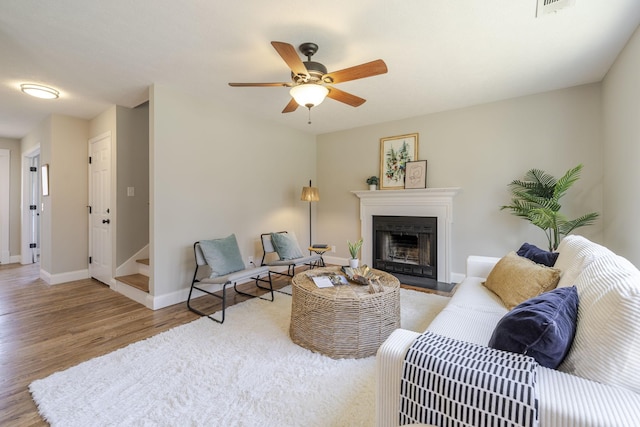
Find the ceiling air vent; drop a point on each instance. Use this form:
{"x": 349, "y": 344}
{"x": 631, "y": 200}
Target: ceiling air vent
{"x": 546, "y": 7}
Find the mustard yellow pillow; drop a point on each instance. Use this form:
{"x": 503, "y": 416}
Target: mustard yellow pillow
{"x": 515, "y": 279}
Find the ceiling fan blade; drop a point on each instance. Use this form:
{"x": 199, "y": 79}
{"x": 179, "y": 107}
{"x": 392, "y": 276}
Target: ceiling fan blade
{"x": 347, "y": 98}
{"x": 291, "y": 106}
{"x": 361, "y": 71}
{"x": 290, "y": 56}
{"x": 260, "y": 84}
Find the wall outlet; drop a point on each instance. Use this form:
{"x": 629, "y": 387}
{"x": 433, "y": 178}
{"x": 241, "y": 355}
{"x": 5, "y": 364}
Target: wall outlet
{"x": 333, "y": 249}
{"x": 250, "y": 260}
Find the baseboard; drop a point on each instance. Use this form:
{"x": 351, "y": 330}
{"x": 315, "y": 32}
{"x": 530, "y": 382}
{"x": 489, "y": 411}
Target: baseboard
{"x": 335, "y": 260}
{"x": 5, "y": 257}
{"x": 134, "y": 294}
{"x": 180, "y": 297}
{"x": 457, "y": 277}
{"x": 70, "y": 276}
{"x": 165, "y": 300}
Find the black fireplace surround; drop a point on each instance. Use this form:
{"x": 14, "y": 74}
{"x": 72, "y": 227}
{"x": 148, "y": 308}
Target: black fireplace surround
{"x": 406, "y": 246}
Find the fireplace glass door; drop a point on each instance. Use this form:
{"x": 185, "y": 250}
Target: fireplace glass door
{"x": 405, "y": 245}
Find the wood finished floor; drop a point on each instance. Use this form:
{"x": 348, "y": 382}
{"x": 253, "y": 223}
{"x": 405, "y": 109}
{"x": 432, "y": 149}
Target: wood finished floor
{"x": 45, "y": 329}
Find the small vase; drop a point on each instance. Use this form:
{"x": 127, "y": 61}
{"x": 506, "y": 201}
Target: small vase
{"x": 353, "y": 262}
{"x": 372, "y": 187}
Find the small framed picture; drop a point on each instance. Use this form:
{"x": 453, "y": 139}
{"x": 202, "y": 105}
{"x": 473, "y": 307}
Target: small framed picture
{"x": 416, "y": 174}
{"x": 395, "y": 152}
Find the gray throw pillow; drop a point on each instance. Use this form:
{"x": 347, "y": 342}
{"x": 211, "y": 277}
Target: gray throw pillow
{"x": 286, "y": 245}
{"x": 222, "y": 255}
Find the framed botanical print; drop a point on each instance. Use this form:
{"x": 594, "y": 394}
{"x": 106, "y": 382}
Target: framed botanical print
{"x": 395, "y": 152}
{"x": 416, "y": 174}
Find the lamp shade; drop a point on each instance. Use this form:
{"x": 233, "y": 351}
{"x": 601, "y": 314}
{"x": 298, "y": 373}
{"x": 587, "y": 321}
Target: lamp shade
{"x": 310, "y": 194}
{"x": 309, "y": 94}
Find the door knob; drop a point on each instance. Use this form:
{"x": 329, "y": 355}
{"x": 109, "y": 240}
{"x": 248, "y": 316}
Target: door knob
{"x": 106, "y": 221}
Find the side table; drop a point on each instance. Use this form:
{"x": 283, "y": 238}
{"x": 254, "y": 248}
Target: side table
{"x": 343, "y": 321}
{"x": 319, "y": 251}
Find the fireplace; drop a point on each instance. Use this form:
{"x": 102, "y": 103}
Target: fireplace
{"x": 406, "y": 245}
{"x": 429, "y": 202}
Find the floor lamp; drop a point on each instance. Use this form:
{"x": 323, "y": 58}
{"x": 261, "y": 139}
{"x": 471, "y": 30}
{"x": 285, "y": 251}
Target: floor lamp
{"x": 310, "y": 194}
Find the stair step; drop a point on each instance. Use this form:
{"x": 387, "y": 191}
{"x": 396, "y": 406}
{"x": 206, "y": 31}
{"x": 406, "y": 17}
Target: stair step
{"x": 138, "y": 281}
{"x": 143, "y": 266}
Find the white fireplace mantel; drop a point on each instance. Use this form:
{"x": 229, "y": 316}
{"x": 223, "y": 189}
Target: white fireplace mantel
{"x": 428, "y": 202}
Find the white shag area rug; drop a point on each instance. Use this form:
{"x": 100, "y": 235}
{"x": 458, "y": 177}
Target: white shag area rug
{"x": 246, "y": 372}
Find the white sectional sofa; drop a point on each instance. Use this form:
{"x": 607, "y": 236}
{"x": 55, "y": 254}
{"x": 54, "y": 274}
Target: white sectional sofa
{"x": 597, "y": 384}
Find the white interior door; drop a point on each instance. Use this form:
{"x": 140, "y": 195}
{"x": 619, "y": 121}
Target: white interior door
{"x": 31, "y": 195}
{"x": 100, "y": 214}
{"x": 34, "y": 208}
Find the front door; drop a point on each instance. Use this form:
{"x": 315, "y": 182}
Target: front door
{"x": 100, "y": 213}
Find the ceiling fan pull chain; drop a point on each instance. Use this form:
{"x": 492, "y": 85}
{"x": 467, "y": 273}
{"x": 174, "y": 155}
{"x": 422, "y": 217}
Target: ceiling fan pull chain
{"x": 309, "y": 122}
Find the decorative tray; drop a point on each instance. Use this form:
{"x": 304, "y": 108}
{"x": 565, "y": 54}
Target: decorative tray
{"x": 362, "y": 275}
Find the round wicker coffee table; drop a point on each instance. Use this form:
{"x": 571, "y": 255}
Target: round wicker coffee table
{"x": 343, "y": 321}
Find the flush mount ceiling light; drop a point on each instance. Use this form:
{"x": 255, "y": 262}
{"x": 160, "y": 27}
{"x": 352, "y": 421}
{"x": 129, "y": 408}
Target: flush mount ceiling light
{"x": 39, "y": 91}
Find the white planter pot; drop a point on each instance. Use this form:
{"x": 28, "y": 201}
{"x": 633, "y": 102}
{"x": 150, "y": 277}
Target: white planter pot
{"x": 353, "y": 263}
{"x": 372, "y": 187}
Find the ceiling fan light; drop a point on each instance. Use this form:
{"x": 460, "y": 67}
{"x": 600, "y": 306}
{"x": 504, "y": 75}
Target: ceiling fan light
{"x": 309, "y": 94}
{"x": 39, "y": 91}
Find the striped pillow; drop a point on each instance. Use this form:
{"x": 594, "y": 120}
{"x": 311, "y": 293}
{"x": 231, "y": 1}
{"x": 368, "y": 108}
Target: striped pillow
{"x": 606, "y": 346}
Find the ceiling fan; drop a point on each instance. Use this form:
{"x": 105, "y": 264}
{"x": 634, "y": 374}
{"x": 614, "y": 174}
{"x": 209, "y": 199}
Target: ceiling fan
{"x": 311, "y": 83}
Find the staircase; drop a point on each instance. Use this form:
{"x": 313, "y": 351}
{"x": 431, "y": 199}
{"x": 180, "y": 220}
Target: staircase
{"x": 139, "y": 280}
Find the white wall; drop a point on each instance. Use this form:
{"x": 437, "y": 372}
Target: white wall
{"x": 215, "y": 172}
{"x": 64, "y": 223}
{"x": 69, "y": 197}
{"x": 42, "y": 135}
{"x": 621, "y": 107}
{"x": 480, "y": 149}
{"x": 132, "y": 171}
{"x": 15, "y": 167}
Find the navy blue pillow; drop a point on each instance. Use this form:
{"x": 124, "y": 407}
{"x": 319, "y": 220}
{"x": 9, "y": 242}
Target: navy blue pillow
{"x": 537, "y": 255}
{"x": 542, "y": 327}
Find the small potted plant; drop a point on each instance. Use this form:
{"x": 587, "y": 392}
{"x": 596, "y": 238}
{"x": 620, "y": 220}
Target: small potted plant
{"x": 354, "y": 248}
{"x": 373, "y": 182}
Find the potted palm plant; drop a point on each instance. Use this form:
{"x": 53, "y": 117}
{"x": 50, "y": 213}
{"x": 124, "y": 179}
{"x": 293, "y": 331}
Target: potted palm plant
{"x": 354, "y": 248}
{"x": 537, "y": 199}
{"x": 373, "y": 182}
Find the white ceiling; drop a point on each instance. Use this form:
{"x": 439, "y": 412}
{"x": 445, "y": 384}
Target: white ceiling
{"x": 441, "y": 55}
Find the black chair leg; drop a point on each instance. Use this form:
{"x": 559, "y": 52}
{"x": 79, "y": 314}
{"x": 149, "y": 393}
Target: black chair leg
{"x": 257, "y": 280}
{"x": 201, "y": 313}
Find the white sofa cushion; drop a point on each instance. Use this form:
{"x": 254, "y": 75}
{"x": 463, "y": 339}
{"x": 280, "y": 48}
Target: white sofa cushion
{"x": 568, "y": 400}
{"x": 471, "y": 315}
{"x": 606, "y": 346}
{"x": 576, "y": 253}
